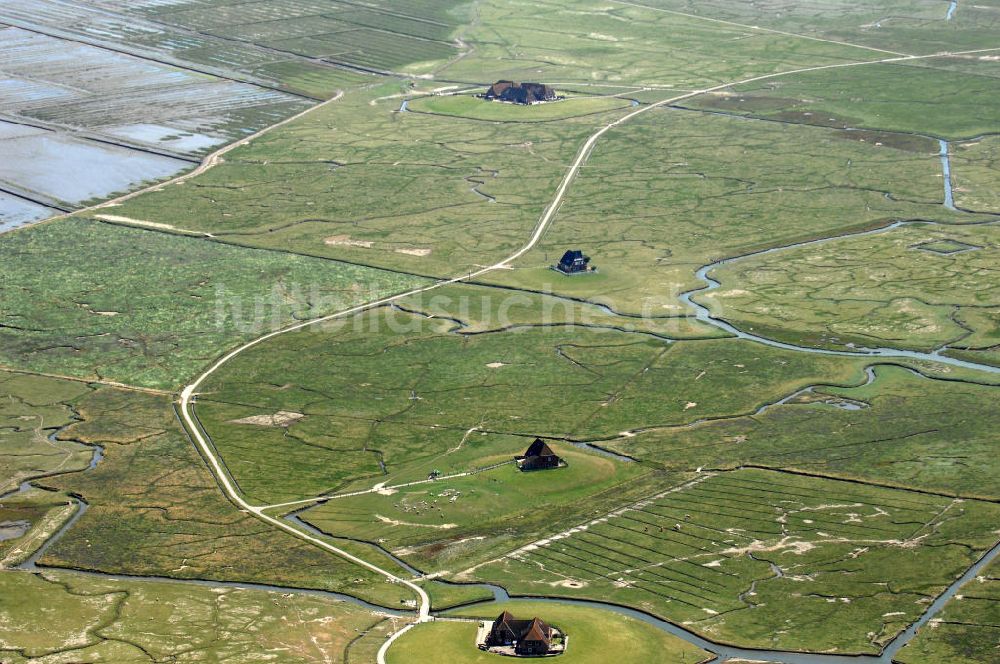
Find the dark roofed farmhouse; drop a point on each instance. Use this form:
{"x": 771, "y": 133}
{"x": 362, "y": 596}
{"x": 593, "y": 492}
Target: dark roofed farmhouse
{"x": 520, "y": 93}
{"x": 538, "y": 456}
{"x": 573, "y": 261}
{"x": 529, "y": 637}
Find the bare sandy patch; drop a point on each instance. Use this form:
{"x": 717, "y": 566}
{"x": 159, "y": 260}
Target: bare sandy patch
{"x": 414, "y": 252}
{"x": 136, "y": 222}
{"x": 346, "y": 241}
{"x": 99, "y": 313}
{"x": 393, "y": 522}
{"x": 282, "y": 418}
{"x": 497, "y": 365}
{"x": 786, "y": 544}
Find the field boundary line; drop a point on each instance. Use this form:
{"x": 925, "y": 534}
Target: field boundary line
{"x": 853, "y": 480}
{"x": 755, "y": 27}
{"x": 90, "y": 381}
{"x": 160, "y": 59}
{"x": 208, "y": 162}
{"x": 580, "y": 527}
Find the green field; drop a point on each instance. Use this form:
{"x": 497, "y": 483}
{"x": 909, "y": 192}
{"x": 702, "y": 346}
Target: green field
{"x": 145, "y": 308}
{"x": 67, "y": 617}
{"x": 451, "y": 194}
{"x": 901, "y": 430}
{"x": 391, "y": 402}
{"x": 477, "y": 309}
{"x": 968, "y": 629}
{"x": 974, "y": 171}
{"x": 595, "y": 42}
{"x": 691, "y": 188}
{"x": 928, "y": 98}
{"x": 911, "y": 26}
{"x": 921, "y": 287}
{"x": 759, "y": 557}
{"x": 474, "y": 108}
{"x": 377, "y": 35}
{"x": 156, "y": 510}
{"x": 751, "y": 493}
{"x": 593, "y": 634}
{"x": 33, "y": 408}
{"x": 455, "y": 522}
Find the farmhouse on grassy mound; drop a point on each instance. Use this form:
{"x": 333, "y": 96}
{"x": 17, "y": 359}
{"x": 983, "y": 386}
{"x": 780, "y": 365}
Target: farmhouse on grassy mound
{"x": 520, "y": 93}
{"x": 527, "y": 637}
{"x": 538, "y": 456}
{"x": 574, "y": 262}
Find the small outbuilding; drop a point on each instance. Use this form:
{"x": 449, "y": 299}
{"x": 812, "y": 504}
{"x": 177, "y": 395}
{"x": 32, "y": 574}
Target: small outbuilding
{"x": 574, "y": 262}
{"x": 538, "y": 456}
{"x": 515, "y": 92}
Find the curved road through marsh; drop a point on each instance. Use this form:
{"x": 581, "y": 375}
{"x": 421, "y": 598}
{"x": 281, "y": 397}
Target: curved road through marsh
{"x": 189, "y": 393}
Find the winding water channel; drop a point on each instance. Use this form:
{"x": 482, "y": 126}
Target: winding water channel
{"x": 704, "y": 314}
{"x": 949, "y": 197}
{"x": 31, "y": 563}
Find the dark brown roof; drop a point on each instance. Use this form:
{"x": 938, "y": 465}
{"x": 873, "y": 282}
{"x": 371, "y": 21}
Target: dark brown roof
{"x": 521, "y": 630}
{"x": 538, "y": 448}
{"x": 506, "y": 625}
{"x": 500, "y": 87}
{"x": 537, "y": 631}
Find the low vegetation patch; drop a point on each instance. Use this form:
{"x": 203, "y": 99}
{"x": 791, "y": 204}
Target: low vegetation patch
{"x": 451, "y": 523}
{"x": 691, "y": 188}
{"x": 472, "y": 107}
{"x": 361, "y": 181}
{"x": 390, "y": 392}
{"x": 922, "y": 287}
{"x": 156, "y": 510}
{"x": 75, "y": 302}
{"x": 967, "y": 631}
{"x": 757, "y": 557}
{"x": 931, "y": 98}
{"x": 33, "y": 410}
{"x": 63, "y": 616}
{"x": 901, "y": 429}
{"x": 974, "y": 172}
{"x": 595, "y": 635}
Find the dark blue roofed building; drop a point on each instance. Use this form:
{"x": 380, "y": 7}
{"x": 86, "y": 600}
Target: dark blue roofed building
{"x": 573, "y": 261}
